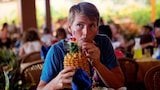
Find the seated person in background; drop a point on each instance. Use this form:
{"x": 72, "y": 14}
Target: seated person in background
{"x": 117, "y": 37}
{"x": 146, "y": 39}
{"x": 157, "y": 31}
{"x": 47, "y": 40}
{"x": 106, "y": 30}
{"x": 83, "y": 23}
{"x": 5, "y": 41}
{"x": 157, "y": 36}
{"x": 47, "y": 37}
{"x": 31, "y": 42}
{"x": 60, "y": 34}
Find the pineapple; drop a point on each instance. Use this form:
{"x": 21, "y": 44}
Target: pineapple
{"x": 76, "y": 58}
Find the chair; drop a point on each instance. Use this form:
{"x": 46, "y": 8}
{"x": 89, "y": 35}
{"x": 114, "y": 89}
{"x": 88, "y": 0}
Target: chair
{"x": 31, "y": 75}
{"x": 152, "y": 78}
{"x": 130, "y": 69}
{"x": 34, "y": 56}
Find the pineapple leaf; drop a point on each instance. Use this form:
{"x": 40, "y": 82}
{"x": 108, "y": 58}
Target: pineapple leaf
{"x": 73, "y": 47}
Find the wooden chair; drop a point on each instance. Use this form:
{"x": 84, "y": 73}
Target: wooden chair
{"x": 31, "y": 57}
{"x": 130, "y": 69}
{"x": 152, "y": 78}
{"x": 31, "y": 75}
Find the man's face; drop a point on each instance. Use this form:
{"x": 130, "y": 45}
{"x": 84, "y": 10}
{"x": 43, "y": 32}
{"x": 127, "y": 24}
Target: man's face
{"x": 157, "y": 32}
{"x": 83, "y": 29}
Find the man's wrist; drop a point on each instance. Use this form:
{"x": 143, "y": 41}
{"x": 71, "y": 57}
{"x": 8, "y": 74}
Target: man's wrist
{"x": 52, "y": 85}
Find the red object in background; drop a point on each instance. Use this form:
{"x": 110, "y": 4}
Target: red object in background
{"x": 119, "y": 53}
{"x": 72, "y": 39}
{"x": 54, "y": 41}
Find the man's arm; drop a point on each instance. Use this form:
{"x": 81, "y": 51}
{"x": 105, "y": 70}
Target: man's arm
{"x": 47, "y": 86}
{"x": 61, "y": 81}
{"x": 114, "y": 77}
{"x": 107, "y": 68}
{"x": 41, "y": 85}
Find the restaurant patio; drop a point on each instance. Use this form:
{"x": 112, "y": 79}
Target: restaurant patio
{"x": 20, "y": 70}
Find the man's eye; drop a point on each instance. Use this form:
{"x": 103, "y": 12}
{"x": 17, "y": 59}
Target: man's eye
{"x": 93, "y": 27}
{"x": 80, "y": 25}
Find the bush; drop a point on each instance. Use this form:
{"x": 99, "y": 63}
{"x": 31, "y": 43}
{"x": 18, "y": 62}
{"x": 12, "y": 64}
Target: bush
{"x": 142, "y": 16}
{"x": 9, "y": 63}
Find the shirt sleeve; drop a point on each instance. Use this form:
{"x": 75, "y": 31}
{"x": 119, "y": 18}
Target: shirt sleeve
{"x": 52, "y": 64}
{"x": 108, "y": 57}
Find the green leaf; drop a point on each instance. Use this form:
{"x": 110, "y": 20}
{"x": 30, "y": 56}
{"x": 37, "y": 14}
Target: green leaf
{"x": 73, "y": 47}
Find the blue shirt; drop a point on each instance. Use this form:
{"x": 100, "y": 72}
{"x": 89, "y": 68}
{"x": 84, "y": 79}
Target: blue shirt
{"x": 53, "y": 63}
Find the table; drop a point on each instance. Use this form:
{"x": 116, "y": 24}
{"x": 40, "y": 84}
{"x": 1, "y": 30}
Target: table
{"x": 144, "y": 65}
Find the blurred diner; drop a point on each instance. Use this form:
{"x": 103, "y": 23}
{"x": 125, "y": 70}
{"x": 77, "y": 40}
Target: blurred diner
{"x": 47, "y": 37}
{"x": 5, "y": 41}
{"x": 106, "y": 30}
{"x": 31, "y": 42}
{"x": 147, "y": 40}
{"x": 117, "y": 37}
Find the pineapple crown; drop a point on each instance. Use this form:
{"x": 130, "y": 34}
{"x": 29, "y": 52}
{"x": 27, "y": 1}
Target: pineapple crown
{"x": 73, "y": 45}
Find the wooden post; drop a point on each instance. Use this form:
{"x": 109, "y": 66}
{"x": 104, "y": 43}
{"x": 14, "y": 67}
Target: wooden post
{"x": 28, "y": 14}
{"x": 48, "y": 14}
{"x": 153, "y": 10}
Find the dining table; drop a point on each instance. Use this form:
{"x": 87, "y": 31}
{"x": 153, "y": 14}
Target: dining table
{"x": 144, "y": 65}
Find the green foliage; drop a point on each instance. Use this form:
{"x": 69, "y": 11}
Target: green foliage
{"x": 58, "y": 14}
{"x": 158, "y": 10}
{"x": 2, "y": 79}
{"x": 73, "y": 47}
{"x": 40, "y": 17}
{"x": 9, "y": 63}
{"x": 7, "y": 57}
{"x": 141, "y": 16}
{"x": 10, "y": 17}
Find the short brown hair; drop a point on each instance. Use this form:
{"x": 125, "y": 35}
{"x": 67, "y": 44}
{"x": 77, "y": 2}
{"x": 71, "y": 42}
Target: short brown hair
{"x": 31, "y": 35}
{"x": 86, "y": 9}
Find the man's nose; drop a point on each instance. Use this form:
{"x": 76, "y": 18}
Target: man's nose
{"x": 85, "y": 32}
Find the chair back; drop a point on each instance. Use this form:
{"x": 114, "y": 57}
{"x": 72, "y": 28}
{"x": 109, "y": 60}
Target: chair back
{"x": 31, "y": 74}
{"x": 130, "y": 69}
{"x": 152, "y": 78}
{"x": 34, "y": 56}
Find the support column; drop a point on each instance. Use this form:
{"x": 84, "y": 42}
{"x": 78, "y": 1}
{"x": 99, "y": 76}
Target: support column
{"x": 48, "y": 15}
{"x": 153, "y": 10}
{"x": 28, "y": 14}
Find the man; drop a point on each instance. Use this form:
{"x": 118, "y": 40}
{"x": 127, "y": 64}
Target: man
{"x": 83, "y": 24}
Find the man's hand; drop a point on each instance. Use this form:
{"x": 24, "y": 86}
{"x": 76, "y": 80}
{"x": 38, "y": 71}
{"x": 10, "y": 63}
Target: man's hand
{"x": 91, "y": 51}
{"x": 64, "y": 78}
